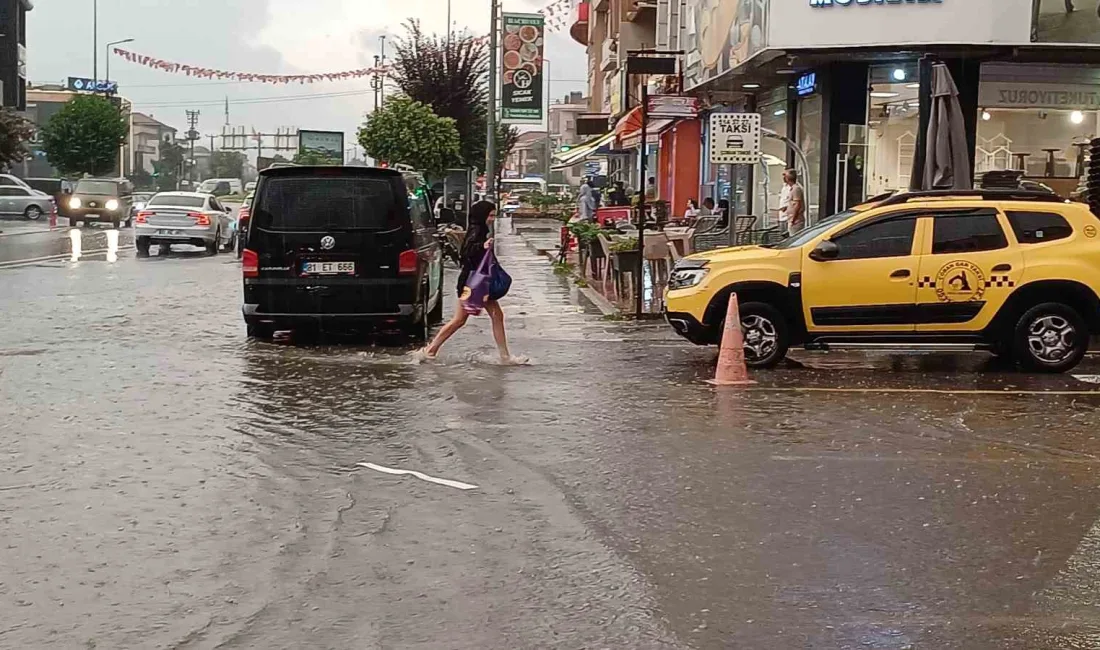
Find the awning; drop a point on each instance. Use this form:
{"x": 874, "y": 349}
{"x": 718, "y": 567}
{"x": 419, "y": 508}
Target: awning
{"x": 578, "y": 154}
{"x": 652, "y": 133}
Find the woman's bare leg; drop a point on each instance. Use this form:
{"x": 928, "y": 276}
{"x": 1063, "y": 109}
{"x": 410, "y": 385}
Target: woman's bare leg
{"x": 496, "y": 314}
{"x": 448, "y": 330}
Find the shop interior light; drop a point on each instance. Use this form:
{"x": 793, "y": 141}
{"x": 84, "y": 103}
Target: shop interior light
{"x": 780, "y": 111}
{"x": 986, "y": 116}
{"x": 881, "y": 94}
{"x": 912, "y": 86}
{"x": 898, "y": 74}
{"x": 750, "y": 86}
{"x": 1077, "y": 117}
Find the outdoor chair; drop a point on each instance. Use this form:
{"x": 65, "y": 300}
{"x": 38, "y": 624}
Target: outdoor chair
{"x": 609, "y": 270}
{"x": 743, "y": 229}
{"x": 708, "y": 235}
{"x": 657, "y": 253}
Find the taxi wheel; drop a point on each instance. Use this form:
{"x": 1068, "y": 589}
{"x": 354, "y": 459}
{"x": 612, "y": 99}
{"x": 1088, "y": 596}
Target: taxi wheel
{"x": 766, "y": 334}
{"x": 1050, "y": 337}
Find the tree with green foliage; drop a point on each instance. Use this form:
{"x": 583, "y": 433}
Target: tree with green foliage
{"x": 84, "y": 137}
{"x": 227, "y": 164}
{"x": 15, "y": 136}
{"x": 315, "y": 157}
{"x": 170, "y": 165}
{"x": 408, "y": 132}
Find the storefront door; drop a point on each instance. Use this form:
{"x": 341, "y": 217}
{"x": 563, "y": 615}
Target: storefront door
{"x": 850, "y": 164}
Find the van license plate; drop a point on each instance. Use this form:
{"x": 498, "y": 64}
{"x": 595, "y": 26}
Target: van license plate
{"x": 328, "y": 268}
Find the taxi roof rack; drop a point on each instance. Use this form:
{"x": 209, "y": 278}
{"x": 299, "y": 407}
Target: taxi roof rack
{"x": 986, "y": 195}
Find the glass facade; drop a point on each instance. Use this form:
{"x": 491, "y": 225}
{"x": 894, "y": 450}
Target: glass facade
{"x": 772, "y": 107}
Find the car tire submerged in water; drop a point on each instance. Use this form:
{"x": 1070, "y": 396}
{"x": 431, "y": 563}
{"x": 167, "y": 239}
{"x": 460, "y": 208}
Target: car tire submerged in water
{"x": 215, "y": 246}
{"x": 1050, "y": 337}
{"x": 436, "y": 315}
{"x": 766, "y": 334}
{"x": 142, "y": 246}
{"x": 33, "y": 213}
{"x": 264, "y": 331}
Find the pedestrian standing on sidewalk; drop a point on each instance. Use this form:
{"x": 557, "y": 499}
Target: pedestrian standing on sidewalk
{"x": 796, "y": 209}
{"x": 477, "y": 244}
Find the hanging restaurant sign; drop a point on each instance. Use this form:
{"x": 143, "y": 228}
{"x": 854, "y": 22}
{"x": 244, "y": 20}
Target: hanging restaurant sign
{"x": 522, "y": 100}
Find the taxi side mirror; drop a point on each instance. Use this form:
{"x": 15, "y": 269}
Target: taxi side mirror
{"x": 825, "y": 251}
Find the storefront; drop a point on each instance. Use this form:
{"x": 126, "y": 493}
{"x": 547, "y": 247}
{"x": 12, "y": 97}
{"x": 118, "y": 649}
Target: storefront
{"x": 839, "y": 86}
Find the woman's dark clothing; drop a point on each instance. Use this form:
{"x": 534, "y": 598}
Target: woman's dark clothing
{"x": 473, "y": 246}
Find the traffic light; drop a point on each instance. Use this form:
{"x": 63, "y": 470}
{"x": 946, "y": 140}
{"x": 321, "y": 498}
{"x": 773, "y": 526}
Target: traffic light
{"x": 565, "y": 147}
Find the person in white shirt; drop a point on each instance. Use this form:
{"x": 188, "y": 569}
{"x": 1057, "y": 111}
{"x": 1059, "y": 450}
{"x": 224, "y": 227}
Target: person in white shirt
{"x": 784, "y": 203}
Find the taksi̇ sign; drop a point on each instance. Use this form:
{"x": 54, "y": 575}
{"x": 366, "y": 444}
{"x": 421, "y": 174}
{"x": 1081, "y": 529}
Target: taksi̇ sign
{"x": 522, "y": 100}
{"x": 734, "y": 138}
{"x": 847, "y": 3}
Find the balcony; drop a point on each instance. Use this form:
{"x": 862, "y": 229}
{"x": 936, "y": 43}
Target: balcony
{"x": 637, "y": 9}
{"x": 579, "y": 29}
{"x": 609, "y": 56}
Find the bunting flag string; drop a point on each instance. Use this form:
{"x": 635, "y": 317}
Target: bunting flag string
{"x": 210, "y": 73}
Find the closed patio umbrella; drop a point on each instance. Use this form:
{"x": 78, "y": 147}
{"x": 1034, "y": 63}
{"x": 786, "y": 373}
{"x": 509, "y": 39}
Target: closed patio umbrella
{"x": 947, "y": 159}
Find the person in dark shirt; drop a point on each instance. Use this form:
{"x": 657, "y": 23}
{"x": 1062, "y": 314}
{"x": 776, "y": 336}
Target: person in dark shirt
{"x": 475, "y": 246}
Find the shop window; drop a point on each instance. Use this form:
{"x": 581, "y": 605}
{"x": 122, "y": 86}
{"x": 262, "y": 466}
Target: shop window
{"x": 1038, "y": 227}
{"x": 893, "y": 121}
{"x": 769, "y": 186}
{"x": 809, "y": 140}
{"x": 967, "y": 233}
{"x": 892, "y": 238}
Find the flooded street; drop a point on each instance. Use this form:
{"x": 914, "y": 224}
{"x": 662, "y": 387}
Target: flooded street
{"x": 167, "y": 483}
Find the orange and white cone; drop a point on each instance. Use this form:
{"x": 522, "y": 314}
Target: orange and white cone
{"x": 731, "y": 359}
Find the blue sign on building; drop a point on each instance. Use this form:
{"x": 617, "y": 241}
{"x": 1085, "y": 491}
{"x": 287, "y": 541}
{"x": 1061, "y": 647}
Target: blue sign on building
{"x": 83, "y": 84}
{"x": 807, "y": 84}
{"x": 845, "y": 3}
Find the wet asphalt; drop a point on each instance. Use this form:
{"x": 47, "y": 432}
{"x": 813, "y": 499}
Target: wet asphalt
{"x": 167, "y": 483}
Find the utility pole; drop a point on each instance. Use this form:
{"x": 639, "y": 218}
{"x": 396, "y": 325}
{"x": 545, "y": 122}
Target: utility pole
{"x": 382, "y": 78}
{"x": 376, "y": 81}
{"x": 192, "y": 135}
{"x": 227, "y": 110}
{"x": 95, "y": 40}
{"x": 491, "y": 136}
{"x": 549, "y": 136}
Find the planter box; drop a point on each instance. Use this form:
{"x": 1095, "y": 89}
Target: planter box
{"x": 625, "y": 262}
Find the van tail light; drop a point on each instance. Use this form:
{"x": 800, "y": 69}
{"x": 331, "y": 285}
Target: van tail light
{"x": 408, "y": 263}
{"x": 201, "y": 219}
{"x": 250, "y": 264}
{"x": 143, "y": 216}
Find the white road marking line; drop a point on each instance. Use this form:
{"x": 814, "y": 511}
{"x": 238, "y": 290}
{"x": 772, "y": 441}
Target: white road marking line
{"x": 1088, "y": 379}
{"x": 423, "y": 477}
{"x": 1073, "y": 584}
{"x": 74, "y": 237}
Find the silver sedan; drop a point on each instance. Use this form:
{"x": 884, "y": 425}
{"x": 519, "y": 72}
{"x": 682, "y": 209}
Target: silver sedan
{"x": 32, "y": 204}
{"x": 183, "y": 218}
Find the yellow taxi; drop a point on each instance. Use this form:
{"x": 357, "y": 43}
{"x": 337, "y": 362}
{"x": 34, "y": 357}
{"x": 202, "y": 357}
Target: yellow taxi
{"x": 1013, "y": 272}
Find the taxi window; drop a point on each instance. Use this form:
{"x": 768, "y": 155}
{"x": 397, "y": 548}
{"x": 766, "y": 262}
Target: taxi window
{"x": 889, "y": 238}
{"x": 1038, "y": 227}
{"x": 967, "y": 233}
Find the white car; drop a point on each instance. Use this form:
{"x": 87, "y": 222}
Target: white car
{"x": 510, "y": 206}
{"x": 183, "y": 218}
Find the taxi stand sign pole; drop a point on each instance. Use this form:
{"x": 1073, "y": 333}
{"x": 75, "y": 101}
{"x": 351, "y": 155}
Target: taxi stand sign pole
{"x": 734, "y": 140}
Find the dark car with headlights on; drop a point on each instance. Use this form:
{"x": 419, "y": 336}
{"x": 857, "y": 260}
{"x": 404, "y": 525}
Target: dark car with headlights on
{"x": 103, "y": 200}
{"x": 347, "y": 247}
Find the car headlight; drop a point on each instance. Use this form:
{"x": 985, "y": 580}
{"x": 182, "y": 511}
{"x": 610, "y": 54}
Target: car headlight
{"x": 74, "y": 203}
{"x": 684, "y": 278}
{"x": 112, "y": 205}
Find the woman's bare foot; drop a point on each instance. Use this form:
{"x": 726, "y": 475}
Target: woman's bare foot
{"x": 514, "y": 360}
{"x": 423, "y": 354}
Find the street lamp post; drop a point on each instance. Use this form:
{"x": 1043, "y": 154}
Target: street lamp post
{"x": 95, "y": 40}
{"x": 491, "y": 136}
{"x": 107, "y": 60}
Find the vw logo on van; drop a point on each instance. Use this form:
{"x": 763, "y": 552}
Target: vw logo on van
{"x": 328, "y": 242}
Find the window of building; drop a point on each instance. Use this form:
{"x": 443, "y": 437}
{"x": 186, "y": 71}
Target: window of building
{"x": 967, "y": 233}
{"x": 1037, "y": 227}
{"x": 809, "y": 140}
{"x": 891, "y": 238}
{"x": 769, "y": 187}
{"x": 890, "y": 142}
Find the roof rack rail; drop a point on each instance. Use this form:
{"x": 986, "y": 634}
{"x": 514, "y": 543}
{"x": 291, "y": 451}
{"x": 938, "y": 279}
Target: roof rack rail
{"x": 987, "y": 195}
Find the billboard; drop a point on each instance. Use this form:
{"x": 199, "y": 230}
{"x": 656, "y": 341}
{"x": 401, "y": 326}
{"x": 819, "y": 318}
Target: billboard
{"x": 324, "y": 146}
{"x": 725, "y": 34}
{"x": 83, "y": 84}
{"x": 1074, "y": 22}
{"x": 522, "y": 100}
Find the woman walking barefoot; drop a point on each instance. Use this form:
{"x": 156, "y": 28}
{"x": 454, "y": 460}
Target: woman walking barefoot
{"x": 474, "y": 248}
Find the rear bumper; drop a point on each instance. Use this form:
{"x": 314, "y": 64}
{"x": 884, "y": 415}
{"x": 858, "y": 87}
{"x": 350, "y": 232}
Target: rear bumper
{"x": 691, "y": 329}
{"x": 404, "y": 314}
{"x": 156, "y": 234}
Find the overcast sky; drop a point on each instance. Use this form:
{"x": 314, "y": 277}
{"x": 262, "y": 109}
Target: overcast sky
{"x": 259, "y": 36}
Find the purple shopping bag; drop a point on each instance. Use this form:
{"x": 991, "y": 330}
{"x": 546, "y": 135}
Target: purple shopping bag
{"x": 477, "y": 285}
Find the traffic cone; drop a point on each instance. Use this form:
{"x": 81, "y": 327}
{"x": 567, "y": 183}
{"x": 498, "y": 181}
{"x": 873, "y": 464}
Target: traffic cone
{"x": 731, "y": 359}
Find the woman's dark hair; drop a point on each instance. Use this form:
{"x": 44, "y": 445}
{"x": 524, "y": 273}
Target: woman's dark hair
{"x": 693, "y": 204}
{"x": 478, "y": 232}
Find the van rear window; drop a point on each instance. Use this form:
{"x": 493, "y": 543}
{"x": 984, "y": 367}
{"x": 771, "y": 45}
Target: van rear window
{"x": 326, "y": 202}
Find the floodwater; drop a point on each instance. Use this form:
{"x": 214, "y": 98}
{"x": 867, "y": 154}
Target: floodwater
{"x": 167, "y": 483}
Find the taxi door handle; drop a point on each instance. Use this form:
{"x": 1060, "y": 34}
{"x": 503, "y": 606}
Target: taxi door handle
{"x": 900, "y": 273}
{"x": 1001, "y": 268}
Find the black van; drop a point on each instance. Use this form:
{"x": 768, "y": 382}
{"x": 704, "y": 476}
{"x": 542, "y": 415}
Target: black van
{"x": 341, "y": 246}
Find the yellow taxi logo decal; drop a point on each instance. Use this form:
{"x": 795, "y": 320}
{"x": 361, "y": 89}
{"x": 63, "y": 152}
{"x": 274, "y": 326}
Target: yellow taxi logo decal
{"x": 1090, "y": 231}
{"x": 960, "y": 281}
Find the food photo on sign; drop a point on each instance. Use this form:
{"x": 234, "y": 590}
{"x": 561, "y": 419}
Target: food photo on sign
{"x": 727, "y": 33}
{"x": 522, "y": 62}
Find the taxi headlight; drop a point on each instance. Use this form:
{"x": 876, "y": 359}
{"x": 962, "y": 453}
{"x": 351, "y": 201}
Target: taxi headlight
{"x": 684, "y": 278}
{"x": 112, "y": 205}
{"x": 74, "y": 203}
